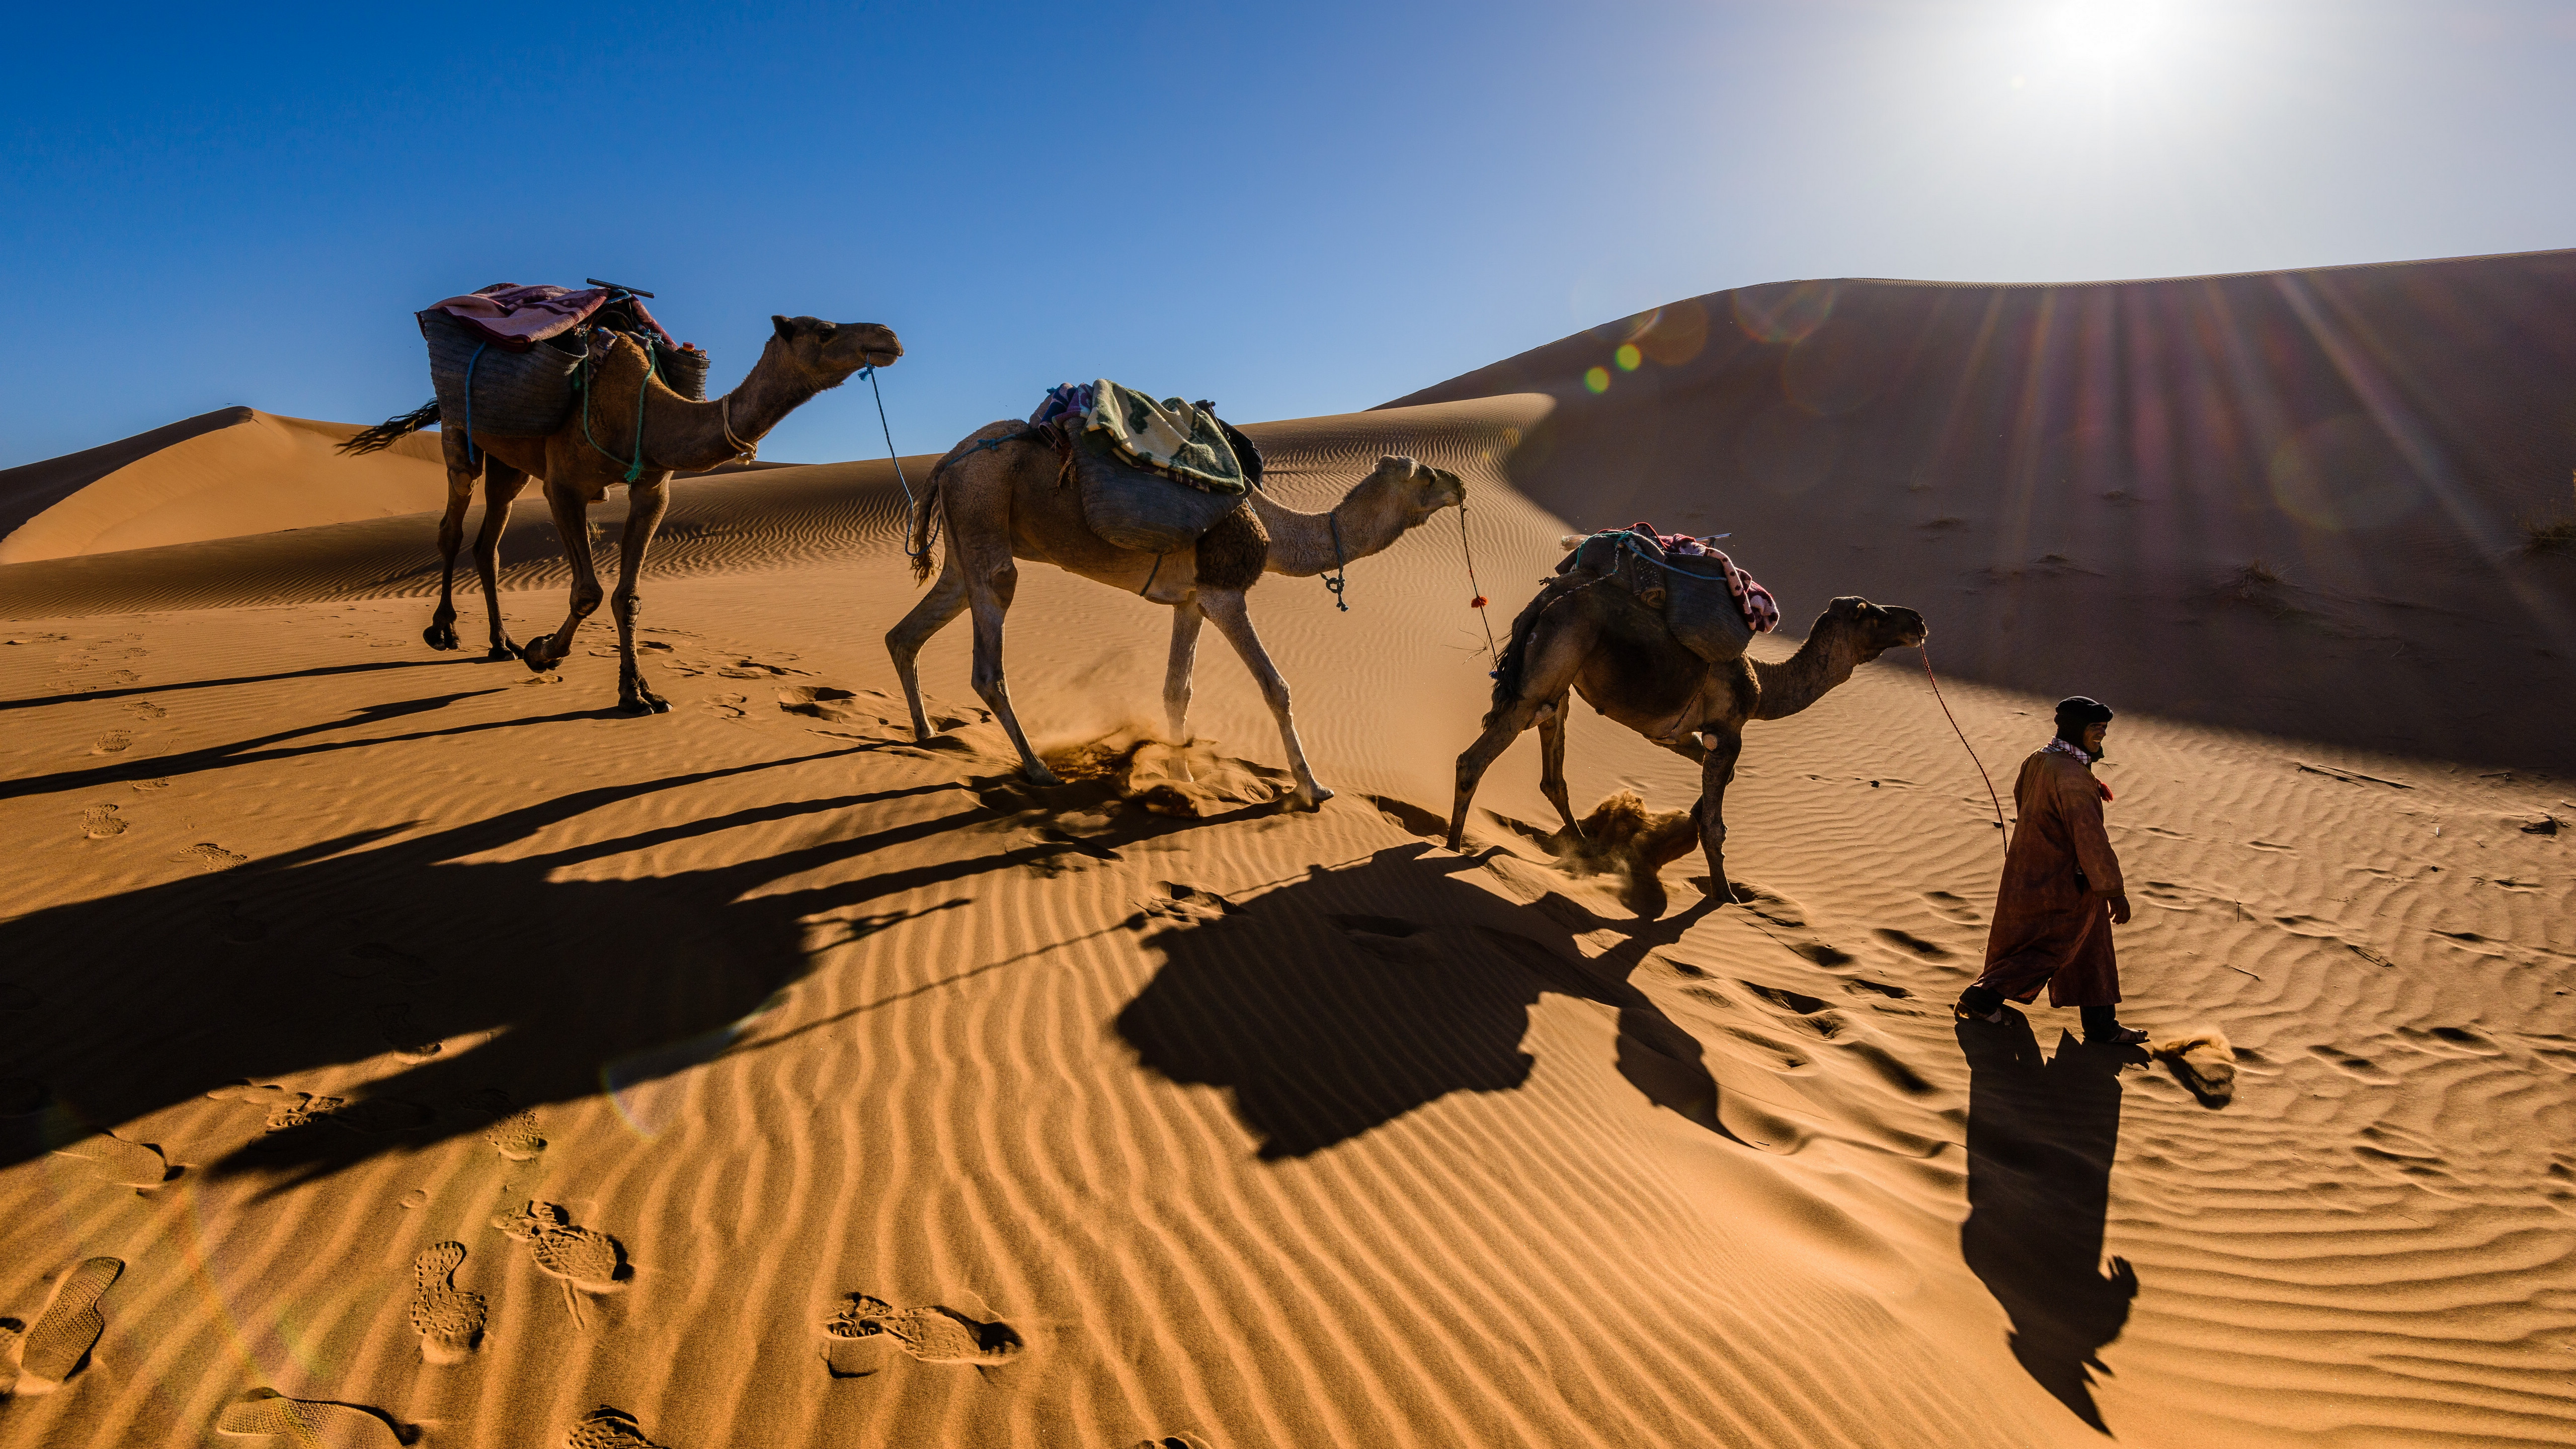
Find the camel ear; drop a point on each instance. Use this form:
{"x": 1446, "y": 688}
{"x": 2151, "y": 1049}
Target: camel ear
{"x": 785, "y": 331}
{"x": 824, "y": 330}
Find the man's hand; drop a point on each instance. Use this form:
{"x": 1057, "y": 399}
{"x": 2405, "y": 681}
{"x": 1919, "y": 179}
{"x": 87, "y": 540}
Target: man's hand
{"x": 2119, "y": 910}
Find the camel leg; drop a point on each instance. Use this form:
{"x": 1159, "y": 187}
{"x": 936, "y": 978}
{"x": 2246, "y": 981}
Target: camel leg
{"x": 645, "y": 505}
{"x": 1551, "y": 659}
{"x": 945, "y": 601}
{"x": 1551, "y": 763}
{"x": 1186, "y": 619}
{"x": 991, "y": 581}
{"x": 461, "y": 472}
{"x": 1234, "y": 621}
{"x": 501, "y": 486}
{"x": 1716, "y": 772}
{"x": 572, "y": 521}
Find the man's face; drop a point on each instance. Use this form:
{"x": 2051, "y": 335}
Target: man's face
{"x": 2093, "y": 739}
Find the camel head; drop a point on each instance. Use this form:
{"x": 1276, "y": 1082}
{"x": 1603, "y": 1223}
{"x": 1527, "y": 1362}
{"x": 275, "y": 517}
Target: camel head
{"x": 824, "y": 354}
{"x": 1407, "y": 492}
{"x": 1870, "y": 629}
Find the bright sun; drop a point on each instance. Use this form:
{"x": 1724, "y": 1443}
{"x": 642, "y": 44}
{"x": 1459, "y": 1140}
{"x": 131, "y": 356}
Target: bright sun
{"x": 2107, "y": 35}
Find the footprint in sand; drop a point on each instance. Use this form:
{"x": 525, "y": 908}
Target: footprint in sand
{"x": 933, "y": 1334}
{"x": 209, "y": 855}
{"x": 607, "y": 1428}
{"x": 580, "y": 1259}
{"x": 514, "y": 1132}
{"x": 448, "y": 1319}
{"x": 100, "y": 822}
{"x": 144, "y": 709}
{"x": 727, "y": 706}
{"x": 307, "y": 1423}
{"x": 113, "y": 1159}
{"x": 1184, "y": 904}
{"x": 1909, "y": 942}
{"x": 70, "y": 1327}
{"x": 1173, "y": 1441}
{"x": 287, "y": 1108}
{"x": 114, "y": 742}
{"x": 396, "y": 1029}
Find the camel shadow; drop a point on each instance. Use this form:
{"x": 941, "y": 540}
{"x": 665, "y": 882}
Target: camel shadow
{"x": 2042, "y": 1134}
{"x": 319, "y": 672}
{"x": 497, "y": 973}
{"x": 1325, "y": 1016}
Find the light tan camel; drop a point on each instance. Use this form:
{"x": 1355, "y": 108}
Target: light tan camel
{"x": 594, "y": 450}
{"x": 1004, "y": 503}
{"x": 1592, "y": 637}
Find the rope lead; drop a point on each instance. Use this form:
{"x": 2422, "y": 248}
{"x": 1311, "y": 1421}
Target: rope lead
{"x": 909, "y": 507}
{"x": 1991, "y": 796}
{"x": 1479, "y": 602}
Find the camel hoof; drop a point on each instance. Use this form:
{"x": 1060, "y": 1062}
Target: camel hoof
{"x": 503, "y": 650}
{"x": 531, "y": 656}
{"x": 1041, "y": 775}
{"x": 439, "y": 636}
{"x": 1312, "y": 799}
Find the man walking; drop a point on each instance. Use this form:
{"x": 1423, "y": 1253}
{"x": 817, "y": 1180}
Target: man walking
{"x": 2061, "y": 891}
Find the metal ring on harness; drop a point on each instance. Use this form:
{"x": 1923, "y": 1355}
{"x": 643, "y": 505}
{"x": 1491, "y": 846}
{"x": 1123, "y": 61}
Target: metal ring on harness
{"x": 1340, "y": 564}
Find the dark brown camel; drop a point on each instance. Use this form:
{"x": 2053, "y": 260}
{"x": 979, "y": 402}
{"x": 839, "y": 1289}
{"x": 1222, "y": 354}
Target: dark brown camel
{"x": 803, "y": 357}
{"x": 1587, "y": 635}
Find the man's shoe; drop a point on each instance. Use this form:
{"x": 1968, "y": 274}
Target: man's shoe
{"x": 1968, "y": 1013}
{"x": 2120, "y": 1036}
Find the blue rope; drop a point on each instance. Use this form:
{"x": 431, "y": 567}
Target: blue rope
{"x": 887, "y": 428}
{"x": 1633, "y": 544}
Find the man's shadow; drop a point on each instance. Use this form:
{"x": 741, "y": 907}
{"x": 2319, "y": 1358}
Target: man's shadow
{"x": 1339, "y": 1003}
{"x": 2042, "y": 1133}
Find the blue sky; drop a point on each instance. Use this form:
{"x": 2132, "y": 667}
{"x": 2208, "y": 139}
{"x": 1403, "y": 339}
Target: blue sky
{"x": 1292, "y": 209}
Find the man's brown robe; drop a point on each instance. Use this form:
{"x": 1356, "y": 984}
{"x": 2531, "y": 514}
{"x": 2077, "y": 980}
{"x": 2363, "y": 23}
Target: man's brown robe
{"x": 2051, "y": 926}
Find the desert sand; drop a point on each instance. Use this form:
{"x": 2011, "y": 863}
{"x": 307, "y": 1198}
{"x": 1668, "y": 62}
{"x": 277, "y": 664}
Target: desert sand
{"x": 405, "y": 1048}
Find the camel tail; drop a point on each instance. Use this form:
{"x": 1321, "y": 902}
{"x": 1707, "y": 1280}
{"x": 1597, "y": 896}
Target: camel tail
{"x": 921, "y": 540}
{"x": 382, "y": 435}
{"x": 1507, "y": 670}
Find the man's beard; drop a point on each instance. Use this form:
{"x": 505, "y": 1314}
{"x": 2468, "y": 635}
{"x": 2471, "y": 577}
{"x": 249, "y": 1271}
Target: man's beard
{"x": 2097, "y": 750}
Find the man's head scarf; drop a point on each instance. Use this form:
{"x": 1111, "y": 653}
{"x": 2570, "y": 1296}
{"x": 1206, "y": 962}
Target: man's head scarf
{"x": 2078, "y": 713}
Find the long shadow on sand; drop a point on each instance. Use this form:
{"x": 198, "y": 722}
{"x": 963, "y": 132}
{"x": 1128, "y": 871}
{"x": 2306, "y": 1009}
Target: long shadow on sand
{"x": 1339, "y": 1003}
{"x": 321, "y": 672}
{"x": 2042, "y": 1133}
{"x": 337, "y": 952}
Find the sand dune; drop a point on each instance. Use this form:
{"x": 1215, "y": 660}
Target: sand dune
{"x": 448, "y": 1060}
{"x": 2286, "y": 501}
{"x": 228, "y": 474}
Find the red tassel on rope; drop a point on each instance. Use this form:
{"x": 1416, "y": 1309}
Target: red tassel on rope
{"x": 1478, "y": 602}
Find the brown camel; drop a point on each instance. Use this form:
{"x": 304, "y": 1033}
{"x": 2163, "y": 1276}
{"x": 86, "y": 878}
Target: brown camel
{"x": 594, "y": 450}
{"x": 1586, "y": 634}
{"x": 1004, "y": 503}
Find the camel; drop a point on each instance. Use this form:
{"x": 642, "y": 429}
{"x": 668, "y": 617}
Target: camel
{"x": 593, "y": 451}
{"x": 999, "y": 495}
{"x": 1588, "y": 635}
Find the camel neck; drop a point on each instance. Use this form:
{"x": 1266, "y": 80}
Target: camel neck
{"x": 701, "y": 434}
{"x": 1303, "y": 545}
{"x": 1823, "y": 662}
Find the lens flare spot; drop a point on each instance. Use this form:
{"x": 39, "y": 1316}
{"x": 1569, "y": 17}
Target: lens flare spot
{"x": 1628, "y": 357}
{"x": 1783, "y": 311}
{"x": 1597, "y": 379}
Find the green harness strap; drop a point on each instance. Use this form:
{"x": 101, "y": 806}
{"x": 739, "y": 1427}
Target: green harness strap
{"x": 582, "y": 379}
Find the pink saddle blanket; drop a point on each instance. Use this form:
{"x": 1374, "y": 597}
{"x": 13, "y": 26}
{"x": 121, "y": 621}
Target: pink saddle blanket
{"x": 517, "y": 318}
{"x": 1761, "y": 611}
